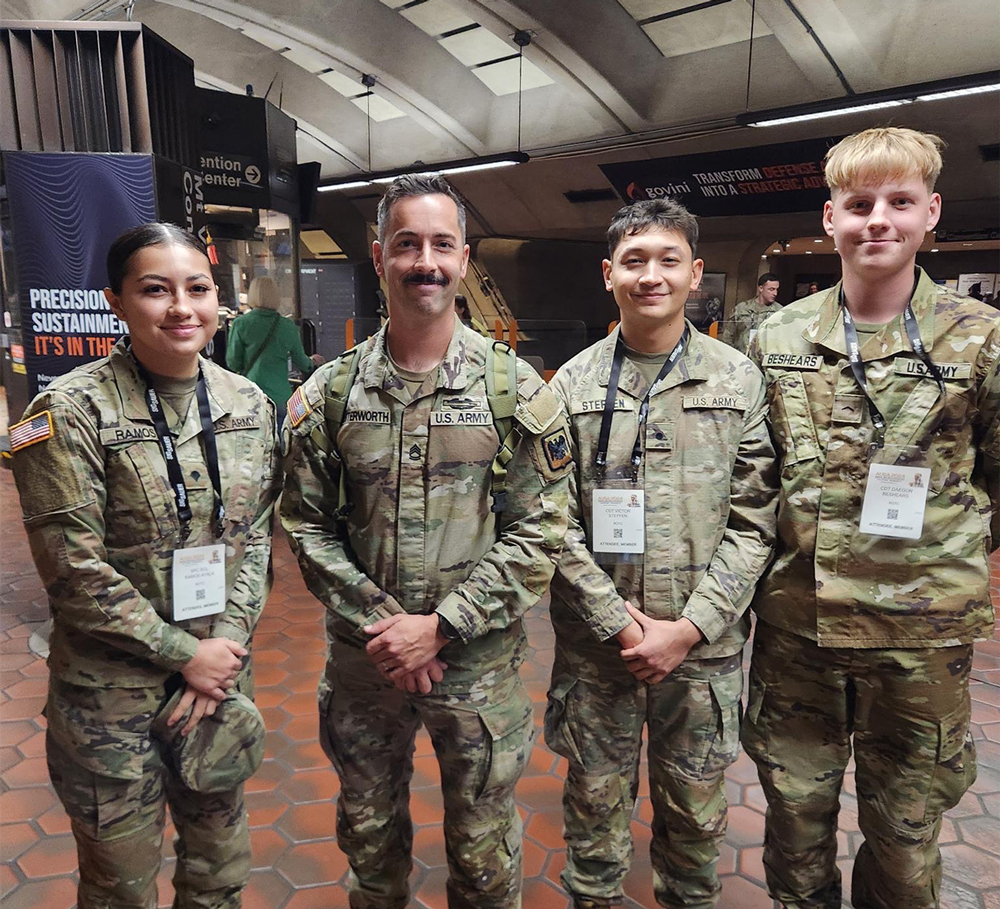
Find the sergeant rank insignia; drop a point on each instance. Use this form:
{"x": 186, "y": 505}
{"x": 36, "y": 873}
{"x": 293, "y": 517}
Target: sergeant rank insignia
{"x": 556, "y": 447}
{"x": 35, "y": 429}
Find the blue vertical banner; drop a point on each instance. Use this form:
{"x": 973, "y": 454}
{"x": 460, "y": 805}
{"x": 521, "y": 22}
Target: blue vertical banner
{"x": 65, "y": 211}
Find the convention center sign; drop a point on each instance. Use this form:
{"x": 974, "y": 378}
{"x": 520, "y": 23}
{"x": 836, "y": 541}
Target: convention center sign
{"x": 65, "y": 210}
{"x": 764, "y": 179}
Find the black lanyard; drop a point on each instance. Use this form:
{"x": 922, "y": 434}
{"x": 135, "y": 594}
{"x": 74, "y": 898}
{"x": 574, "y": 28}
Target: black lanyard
{"x": 601, "y": 458}
{"x": 174, "y": 472}
{"x": 858, "y": 366}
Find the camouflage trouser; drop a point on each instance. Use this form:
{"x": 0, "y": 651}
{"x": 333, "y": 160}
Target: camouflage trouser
{"x": 113, "y": 783}
{"x": 908, "y": 711}
{"x": 481, "y": 738}
{"x": 595, "y": 718}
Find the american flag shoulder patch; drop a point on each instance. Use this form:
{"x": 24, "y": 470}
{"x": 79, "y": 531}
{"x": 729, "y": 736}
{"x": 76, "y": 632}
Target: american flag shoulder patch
{"x": 298, "y": 408}
{"x": 35, "y": 429}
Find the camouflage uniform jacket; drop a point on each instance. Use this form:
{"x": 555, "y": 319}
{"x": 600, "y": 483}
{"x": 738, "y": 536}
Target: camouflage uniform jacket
{"x": 830, "y": 582}
{"x": 710, "y": 492}
{"x": 748, "y": 317}
{"x": 102, "y": 519}
{"x": 420, "y": 536}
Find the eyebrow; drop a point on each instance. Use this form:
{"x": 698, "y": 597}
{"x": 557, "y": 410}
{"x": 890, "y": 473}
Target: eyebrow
{"x": 638, "y": 249}
{"x": 200, "y": 276}
{"x": 412, "y": 233}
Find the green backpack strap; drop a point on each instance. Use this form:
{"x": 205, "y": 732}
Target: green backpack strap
{"x": 501, "y": 393}
{"x": 336, "y": 405}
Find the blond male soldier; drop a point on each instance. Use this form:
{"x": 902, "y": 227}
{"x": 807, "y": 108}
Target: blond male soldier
{"x": 445, "y": 543}
{"x": 885, "y": 402}
{"x": 672, "y": 523}
{"x": 749, "y": 315}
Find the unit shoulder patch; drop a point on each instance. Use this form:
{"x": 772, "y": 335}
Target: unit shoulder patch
{"x": 31, "y": 431}
{"x": 557, "y": 450}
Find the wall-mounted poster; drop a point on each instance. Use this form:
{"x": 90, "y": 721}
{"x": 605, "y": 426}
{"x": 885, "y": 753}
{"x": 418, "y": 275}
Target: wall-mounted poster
{"x": 705, "y": 305}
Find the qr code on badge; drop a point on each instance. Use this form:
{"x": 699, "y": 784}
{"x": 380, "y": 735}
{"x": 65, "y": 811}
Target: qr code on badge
{"x": 893, "y": 514}
{"x": 199, "y": 594}
{"x": 619, "y": 532}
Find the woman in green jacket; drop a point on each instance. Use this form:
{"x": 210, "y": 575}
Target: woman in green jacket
{"x": 262, "y": 340}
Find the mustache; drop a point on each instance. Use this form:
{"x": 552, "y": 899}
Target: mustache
{"x": 439, "y": 280}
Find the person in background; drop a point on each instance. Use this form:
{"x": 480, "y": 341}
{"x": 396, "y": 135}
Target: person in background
{"x": 747, "y": 317}
{"x": 885, "y": 409}
{"x": 113, "y": 464}
{"x": 262, "y": 340}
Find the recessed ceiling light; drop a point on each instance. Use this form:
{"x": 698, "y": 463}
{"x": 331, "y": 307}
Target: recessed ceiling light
{"x": 966, "y": 244}
{"x": 764, "y": 257}
{"x": 809, "y": 252}
{"x": 935, "y": 250}
{"x": 776, "y": 250}
{"x": 817, "y": 241}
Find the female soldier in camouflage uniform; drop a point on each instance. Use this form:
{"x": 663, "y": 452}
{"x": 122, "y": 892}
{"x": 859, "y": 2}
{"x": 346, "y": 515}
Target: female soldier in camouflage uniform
{"x": 106, "y": 522}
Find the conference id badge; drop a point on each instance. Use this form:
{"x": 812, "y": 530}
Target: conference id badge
{"x": 618, "y": 521}
{"x": 895, "y": 499}
{"x": 199, "y": 576}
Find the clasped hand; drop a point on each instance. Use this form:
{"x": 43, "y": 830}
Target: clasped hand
{"x": 404, "y": 648}
{"x": 663, "y": 647}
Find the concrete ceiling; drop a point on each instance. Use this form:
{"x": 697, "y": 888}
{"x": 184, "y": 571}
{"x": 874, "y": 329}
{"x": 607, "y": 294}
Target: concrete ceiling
{"x": 596, "y": 71}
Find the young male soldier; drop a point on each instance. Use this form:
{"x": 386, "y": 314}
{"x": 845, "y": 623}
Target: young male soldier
{"x": 885, "y": 402}
{"x": 672, "y": 522}
{"x": 444, "y": 544}
{"x": 739, "y": 331}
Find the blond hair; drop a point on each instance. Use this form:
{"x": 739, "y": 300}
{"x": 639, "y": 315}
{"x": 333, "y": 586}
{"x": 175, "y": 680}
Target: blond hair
{"x": 263, "y": 294}
{"x": 883, "y": 153}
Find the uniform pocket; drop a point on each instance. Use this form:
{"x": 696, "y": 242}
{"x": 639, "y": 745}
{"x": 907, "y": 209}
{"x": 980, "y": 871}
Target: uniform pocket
{"x": 726, "y": 693}
{"x": 955, "y": 770}
{"x": 137, "y": 501}
{"x": 558, "y": 735}
{"x": 793, "y": 422}
{"x": 752, "y": 732}
{"x": 509, "y": 732}
{"x": 325, "y": 738}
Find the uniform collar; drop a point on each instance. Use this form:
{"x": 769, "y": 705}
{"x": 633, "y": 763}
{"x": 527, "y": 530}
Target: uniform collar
{"x": 453, "y": 373}
{"x": 827, "y": 327}
{"x": 692, "y": 366}
{"x": 132, "y": 389}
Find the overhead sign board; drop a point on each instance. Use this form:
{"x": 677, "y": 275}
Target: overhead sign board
{"x": 763, "y": 179}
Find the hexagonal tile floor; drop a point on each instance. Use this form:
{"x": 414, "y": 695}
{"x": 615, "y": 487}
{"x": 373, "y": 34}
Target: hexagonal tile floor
{"x": 297, "y": 864}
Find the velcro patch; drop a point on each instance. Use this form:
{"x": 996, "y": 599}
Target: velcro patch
{"x": 732, "y": 402}
{"x": 578, "y": 407}
{"x": 380, "y": 417}
{"x": 461, "y": 418}
{"x": 556, "y": 448}
{"x": 792, "y": 361}
{"x": 298, "y": 407}
{"x": 35, "y": 429}
{"x": 906, "y": 367}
